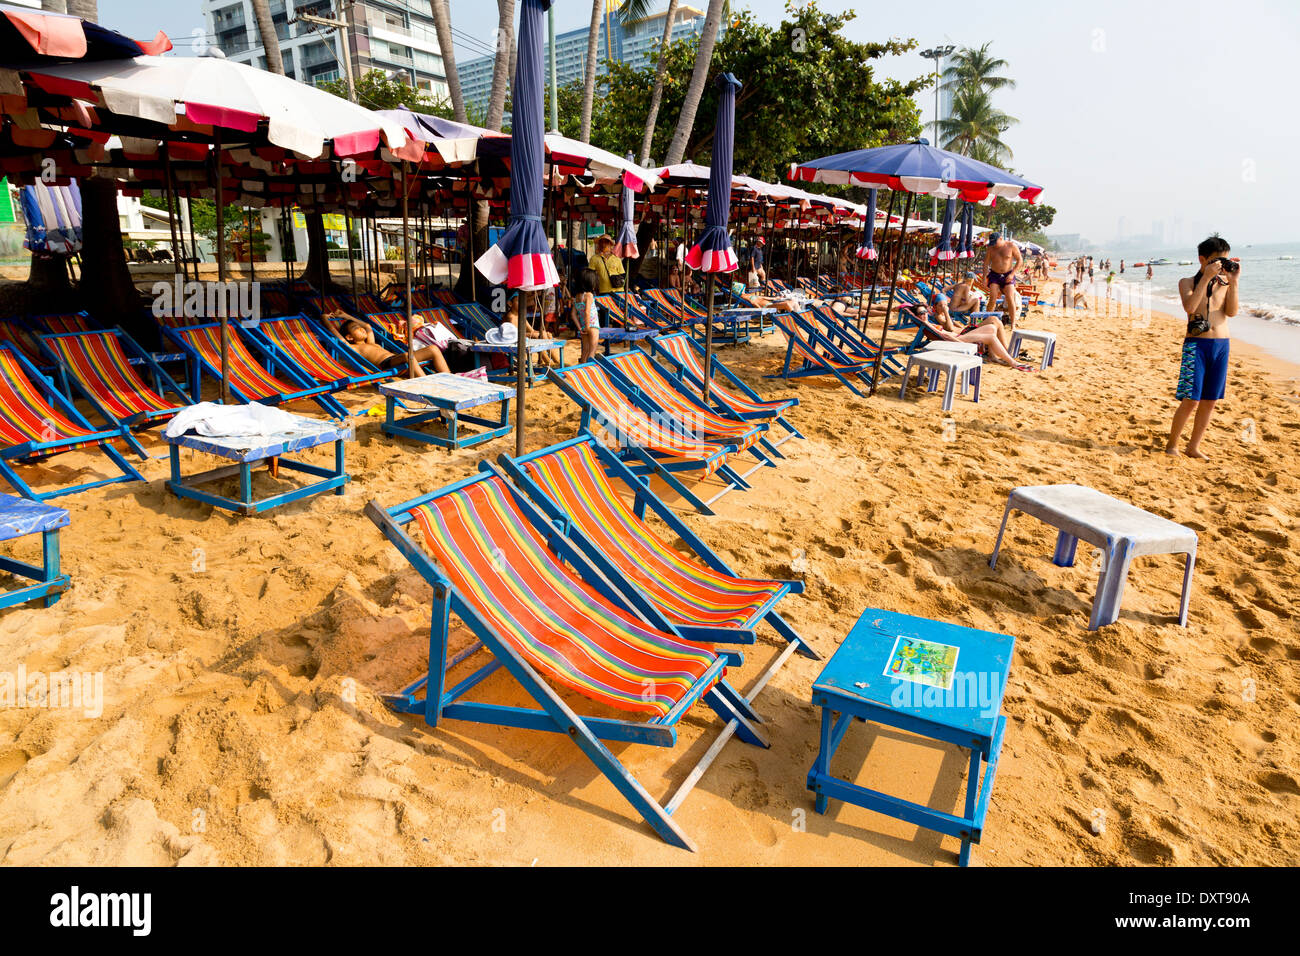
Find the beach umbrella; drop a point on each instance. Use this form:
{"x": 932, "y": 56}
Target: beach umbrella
{"x": 964, "y": 249}
{"x": 915, "y": 168}
{"x": 28, "y": 36}
{"x": 522, "y": 257}
{"x": 943, "y": 252}
{"x": 713, "y": 253}
{"x": 868, "y": 248}
{"x": 625, "y": 248}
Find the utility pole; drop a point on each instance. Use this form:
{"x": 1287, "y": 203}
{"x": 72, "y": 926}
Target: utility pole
{"x": 342, "y": 27}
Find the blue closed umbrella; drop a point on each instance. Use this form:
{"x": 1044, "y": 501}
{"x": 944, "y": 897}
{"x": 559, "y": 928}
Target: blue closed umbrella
{"x": 943, "y": 251}
{"x": 868, "y": 248}
{"x": 713, "y": 253}
{"x": 625, "y": 247}
{"x": 522, "y": 258}
{"x": 965, "y": 245}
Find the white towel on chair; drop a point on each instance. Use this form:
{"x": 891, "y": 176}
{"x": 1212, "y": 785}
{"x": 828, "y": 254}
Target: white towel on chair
{"x": 231, "y": 421}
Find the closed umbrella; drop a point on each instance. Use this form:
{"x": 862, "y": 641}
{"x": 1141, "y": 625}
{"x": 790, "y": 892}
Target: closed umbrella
{"x": 625, "y": 248}
{"x": 522, "y": 258}
{"x": 713, "y": 253}
{"x": 965, "y": 249}
{"x": 868, "y": 248}
{"x": 943, "y": 252}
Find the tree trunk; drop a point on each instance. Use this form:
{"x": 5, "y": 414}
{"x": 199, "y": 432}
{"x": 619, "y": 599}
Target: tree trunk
{"x": 589, "y": 73}
{"x": 699, "y": 76}
{"x": 106, "y": 283}
{"x": 270, "y": 40}
{"x": 446, "y": 46}
{"x": 657, "y": 91}
{"x": 501, "y": 66}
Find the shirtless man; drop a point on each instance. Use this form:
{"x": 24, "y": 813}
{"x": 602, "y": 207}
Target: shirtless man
{"x": 1003, "y": 260}
{"x": 361, "y": 339}
{"x": 965, "y": 297}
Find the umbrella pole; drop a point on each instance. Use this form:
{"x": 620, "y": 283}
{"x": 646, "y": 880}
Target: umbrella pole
{"x": 406, "y": 268}
{"x": 221, "y": 267}
{"x": 521, "y": 360}
{"x": 876, "y": 262}
{"x": 893, "y": 285}
{"x": 473, "y": 279}
{"x": 352, "y": 263}
{"x": 708, "y": 339}
{"x": 177, "y": 260}
{"x": 252, "y": 258}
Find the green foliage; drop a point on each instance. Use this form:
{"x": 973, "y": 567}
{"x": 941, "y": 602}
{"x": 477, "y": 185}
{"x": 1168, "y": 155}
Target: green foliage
{"x": 1023, "y": 221}
{"x": 808, "y": 91}
{"x": 974, "y": 127}
{"x": 376, "y": 90}
{"x": 204, "y": 212}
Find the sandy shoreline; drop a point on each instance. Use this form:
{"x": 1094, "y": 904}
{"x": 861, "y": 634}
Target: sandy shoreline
{"x": 242, "y": 658}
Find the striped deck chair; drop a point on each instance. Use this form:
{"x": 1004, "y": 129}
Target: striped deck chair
{"x": 658, "y": 442}
{"x": 102, "y": 367}
{"x": 643, "y": 376}
{"x": 276, "y": 301}
{"x": 583, "y": 486}
{"x": 325, "y": 359}
{"x": 15, "y": 332}
{"x": 630, "y": 313}
{"x": 545, "y": 614}
{"x": 35, "y": 421}
{"x": 850, "y": 340}
{"x": 444, "y": 297}
{"x": 250, "y": 380}
{"x": 681, "y": 309}
{"x": 685, "y": 358}
{"x": 474, "y": 319}
{"x": 804, "y": 341}
{"x": 365, "y": 302}
{"x": 326, "y": 303}
{"x": 59, "y": 322}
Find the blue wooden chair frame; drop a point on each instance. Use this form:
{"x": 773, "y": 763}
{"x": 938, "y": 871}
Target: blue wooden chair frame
{"x": 659, "y": 351}
{"x": 278, "y": 365}
{"x": 136, "y": 355}
{"x": 649, "y": 460}
{"x": 554, "y": 715}
{"x": 365, "y": 372}
{"x": 33, "y": 449}
{"x": 808, "y": 368}
{"x": 19, "y": 517}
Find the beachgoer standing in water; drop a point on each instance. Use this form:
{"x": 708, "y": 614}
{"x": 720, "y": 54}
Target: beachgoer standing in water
{"x": 1210, "y": 300}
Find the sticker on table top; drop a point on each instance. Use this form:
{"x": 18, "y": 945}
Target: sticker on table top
{"x": 922, "y": 662}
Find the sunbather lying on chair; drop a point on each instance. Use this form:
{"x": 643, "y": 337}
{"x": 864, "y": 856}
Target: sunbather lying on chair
{"x": 985, "y": 334}
{"x": 361, "y": 338}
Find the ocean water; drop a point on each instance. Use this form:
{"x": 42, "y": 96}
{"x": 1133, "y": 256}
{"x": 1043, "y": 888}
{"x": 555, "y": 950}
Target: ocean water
{"x": 1269, "y": 292}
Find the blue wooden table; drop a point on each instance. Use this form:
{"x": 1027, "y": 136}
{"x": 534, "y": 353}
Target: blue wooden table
{"x": 926, "y": 677}
{"x": 20, "y": 517}
{"x": 248, "y": 453}
{"x": 449, "y": 395}
{"x": 511, "y": 351}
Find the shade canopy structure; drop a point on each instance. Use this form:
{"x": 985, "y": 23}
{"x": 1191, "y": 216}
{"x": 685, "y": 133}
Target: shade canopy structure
{"x": 200, "y": 95}
{"x": 34, "y": 36}
{"x": 919, "y": 168}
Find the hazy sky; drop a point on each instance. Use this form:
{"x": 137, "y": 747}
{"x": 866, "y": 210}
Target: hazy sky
{"x": 1153, "y": 111}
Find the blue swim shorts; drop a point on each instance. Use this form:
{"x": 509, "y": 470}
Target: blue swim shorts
{"x": 1203, "y": 375}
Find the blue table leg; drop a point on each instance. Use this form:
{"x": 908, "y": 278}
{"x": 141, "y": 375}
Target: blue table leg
{"x": 50, "y": 550}
{"x": 176, "y": 463}
{"x": 972, "y": 792}
{"x": 340, "y": 463}
{"x": 823, "y": 763}
{"x": 245, "y": 482}
{"x": 1066, "y": 544}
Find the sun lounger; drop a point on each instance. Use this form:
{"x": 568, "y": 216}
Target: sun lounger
{"x": 685, "y": 357}
{"x": 661, "y": 443}
{"x": 35, "y": 421}
{"x": 250, "y": 380}
{"x": 803, "y": 341}
{"x": 322, "y": 356}
{"x": 545, "y": 614}
{"x": 100, "y": 366}
{"x": 650, "y": 380}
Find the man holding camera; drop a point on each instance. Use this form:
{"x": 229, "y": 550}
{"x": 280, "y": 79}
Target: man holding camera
{"x": 1210, "y": 300}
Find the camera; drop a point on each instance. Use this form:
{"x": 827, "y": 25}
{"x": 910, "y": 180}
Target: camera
{"x": 1228, "y": 264}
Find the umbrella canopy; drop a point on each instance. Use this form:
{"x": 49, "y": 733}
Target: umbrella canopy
{"x": 943, "y": 252}
{"x": 522, "y": 257}
{"x": 189, "y": 92}
{"x": 918, "y": 168}
{"x": 713, "y": 253}
{"x": 31, "y": 36}
{"x": 625, "y": 246}
{"x": 868, "y": 248}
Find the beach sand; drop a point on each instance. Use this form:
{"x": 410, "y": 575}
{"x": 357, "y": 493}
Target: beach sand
{"x": 243, "y": 657}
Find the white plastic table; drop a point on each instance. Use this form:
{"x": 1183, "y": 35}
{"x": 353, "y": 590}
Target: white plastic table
{"x": 1122, "y": 532}
{"x": 1046, "y": 339}
{"x": 958, "y": 366}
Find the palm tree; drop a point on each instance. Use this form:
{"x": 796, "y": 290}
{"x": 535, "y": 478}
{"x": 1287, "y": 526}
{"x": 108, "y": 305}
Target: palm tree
{"x": 270, "y": 41}
{"x": 977, "y": 68}
{"x": 589, "y": 70}
{"x": 974, "y": 127}
{"x": 699, "y": 76}
{"x": 446, "y": 46}
{"x": 636, "y": 10}
{"x": 501, "y": 66}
